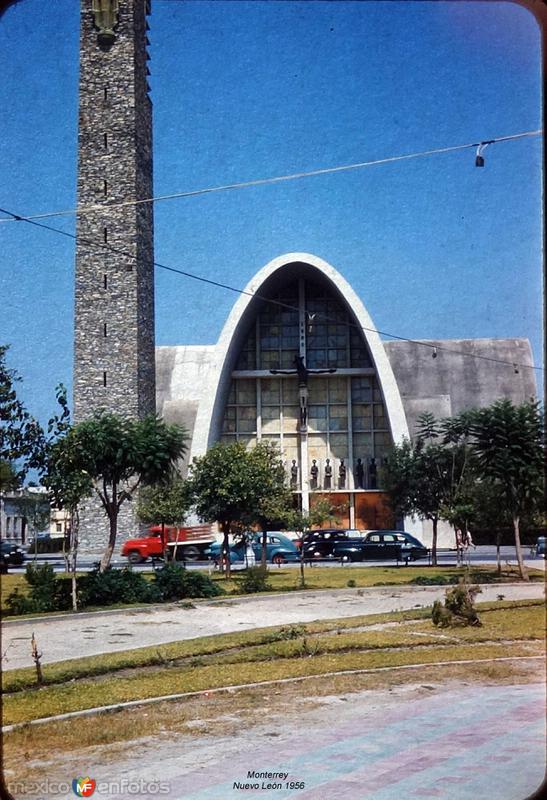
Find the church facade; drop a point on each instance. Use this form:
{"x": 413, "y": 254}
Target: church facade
{"x": 299, "y": 363}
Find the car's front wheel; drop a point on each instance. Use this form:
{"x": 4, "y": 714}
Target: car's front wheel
{"x": 134, "y": 557}
{"x": 278, "y": 558}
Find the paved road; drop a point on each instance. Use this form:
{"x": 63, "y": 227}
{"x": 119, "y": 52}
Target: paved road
{"x": 481, "y": 555}
{"x": 88, "y": 634}
{"x": 408, "y": 743}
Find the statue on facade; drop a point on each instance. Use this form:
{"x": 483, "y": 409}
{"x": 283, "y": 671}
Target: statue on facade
{"x": 294, "y": 474}
{"x": 105, "y": 14}
{"x": 372, "y": 473}
{"x": 314, "y": 472}
{"x": 359, "y": 474}
{"x": 301, "y": 370}
{"x": 342, "y": 475}
{"x": 328, "y": 474}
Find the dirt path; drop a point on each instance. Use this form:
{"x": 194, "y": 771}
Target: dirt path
{"x": 68, "y": 637}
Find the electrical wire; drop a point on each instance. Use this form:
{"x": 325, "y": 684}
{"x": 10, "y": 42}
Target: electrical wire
{"x": 267, "y": 181}
{"x": 434, "y": 346}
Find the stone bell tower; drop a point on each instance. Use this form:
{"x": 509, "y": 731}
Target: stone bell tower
{"x": 114, "y": 328}
{"x": 114, "y": 305}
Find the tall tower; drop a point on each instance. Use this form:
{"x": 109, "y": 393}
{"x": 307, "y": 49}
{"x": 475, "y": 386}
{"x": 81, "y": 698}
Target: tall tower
{"x": 114, "y": 365}
{"x": 114, "y": 325}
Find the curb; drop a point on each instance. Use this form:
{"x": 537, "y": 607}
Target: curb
{"x": 206, "y": 692}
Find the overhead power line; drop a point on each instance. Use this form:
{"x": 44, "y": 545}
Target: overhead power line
{"x": 433, "y": 346}
{"x": 278, "y": 179}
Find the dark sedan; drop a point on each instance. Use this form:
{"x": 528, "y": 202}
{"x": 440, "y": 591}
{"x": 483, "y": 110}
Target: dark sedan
{"x": 10, "y": 553}
{"x": 321, "y": 544}
{"x": 381, "y": 546}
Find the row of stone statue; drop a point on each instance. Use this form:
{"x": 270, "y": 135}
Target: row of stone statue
{"x": 359, "y": 474}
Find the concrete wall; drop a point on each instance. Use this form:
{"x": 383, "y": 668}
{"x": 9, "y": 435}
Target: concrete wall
{"x": 453, "y": 382}
{"x": 181, "y": 374}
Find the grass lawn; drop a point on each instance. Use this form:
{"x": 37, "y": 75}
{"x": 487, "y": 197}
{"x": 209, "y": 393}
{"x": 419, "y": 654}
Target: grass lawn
{"x": 508, "y": 629}
{"x": 8, "y": 583}
{"x": 317, "y": 577}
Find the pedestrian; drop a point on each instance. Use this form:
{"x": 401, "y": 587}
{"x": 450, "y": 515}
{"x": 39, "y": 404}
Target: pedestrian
{"x": 469, "y": 541}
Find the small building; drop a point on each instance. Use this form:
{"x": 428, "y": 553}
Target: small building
{"x": 23, "y": 513}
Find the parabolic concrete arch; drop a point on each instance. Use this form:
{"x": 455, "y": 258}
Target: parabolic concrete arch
{"x": 208, "y": 426}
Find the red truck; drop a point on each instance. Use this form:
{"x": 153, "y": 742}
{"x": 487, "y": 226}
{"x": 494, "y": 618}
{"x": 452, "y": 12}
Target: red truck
{"x": 184, "y": 544}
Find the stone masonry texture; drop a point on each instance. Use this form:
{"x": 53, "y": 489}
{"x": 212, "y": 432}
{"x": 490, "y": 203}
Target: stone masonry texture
{"x": 114, "y": 365}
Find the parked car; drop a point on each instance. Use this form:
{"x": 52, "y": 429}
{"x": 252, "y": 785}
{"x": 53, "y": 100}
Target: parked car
{"x": 540, "y": 546}
{"x": 320, "y": 544}
{"x": 381, "y": 546}
{"x": 10, "y": 553}
{"x": 279, "y": 549}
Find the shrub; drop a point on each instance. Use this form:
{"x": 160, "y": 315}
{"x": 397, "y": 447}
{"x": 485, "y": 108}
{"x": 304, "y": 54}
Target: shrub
{"x": 458, "y": 606}
{"x": 254, "y": 580}
{"x": 351, "y": 584}
{"x": 18, "y": 603}
{"x": 46, "y": 592}
{"x": 288, "y": 632}
{"x": 196, "y": 584}
{"x": 435, "y": 580}
{"x": 115, "y": 586}
{"x": 51, "y": 592}
{"x": 440, "y": 615}
{"x": 173, "y": 582}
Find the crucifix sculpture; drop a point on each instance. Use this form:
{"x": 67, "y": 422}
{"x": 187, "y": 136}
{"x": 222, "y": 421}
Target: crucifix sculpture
{"x": 303, "y": 372}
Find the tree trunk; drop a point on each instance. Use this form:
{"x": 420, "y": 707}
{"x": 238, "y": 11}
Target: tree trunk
{"x": 498, "y": 550}
{"x": 264, "y": 556}
{"x": 457, "y": 535}
{"x": 71, "y": 557}
{"x": 434, "y": 542}
{"x": 302, "y": 578}
{"x": 518, "y": 549}
{"x": 225, "y": 563}
{"x": 107, "y": 555}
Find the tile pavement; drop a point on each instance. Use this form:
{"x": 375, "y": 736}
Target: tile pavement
{"x": 470, "y": 743}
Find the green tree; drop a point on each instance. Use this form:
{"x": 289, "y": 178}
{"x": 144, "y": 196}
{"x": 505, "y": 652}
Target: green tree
{"x": 166, "y": 504}
{"x": 67, "y": 484}
{"x": 432, "y": 477}
{"x": 20, "y": 434}
{"x": 9, "y": 481}
{"x": 416, "y": 478}
{"x": 276, "y": 499}
{"x": 231, "y": 485}
{"x": 305, "y": 521}
{"x": 118, "y": 455}
{"x": 458, "y": 503}
{"x": 508, "y": 443}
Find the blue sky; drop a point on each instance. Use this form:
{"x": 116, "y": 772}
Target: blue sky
{"x": 435, "y": 247}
